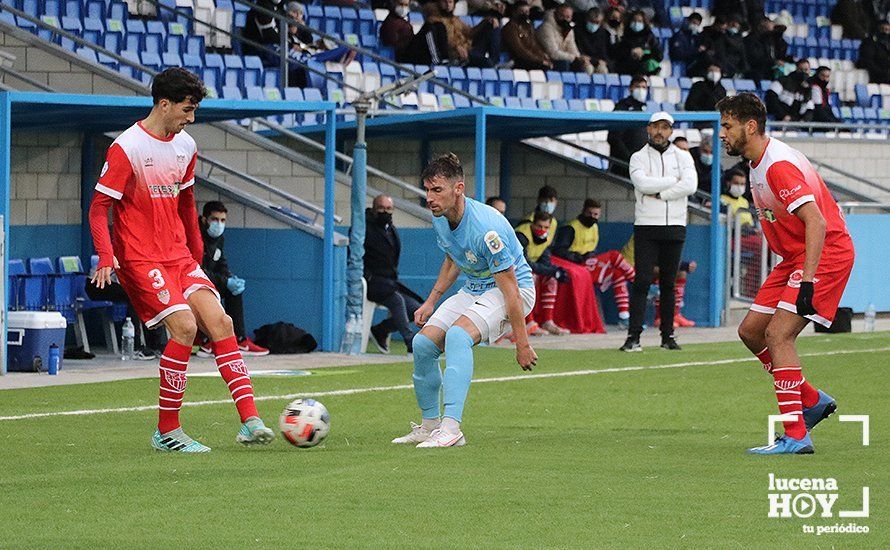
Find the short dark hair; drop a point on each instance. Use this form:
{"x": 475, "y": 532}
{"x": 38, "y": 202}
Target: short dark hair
{"x": 695, "y": 15}
{"x": 214, "y": 206}
{"x": 745, "y": 107}
{"x": 591, "y": 203}
{"x": 541, "y": 216}
{"x": 594, "y": 11}
{"x": 546, "y": 193}
{"x": 822, "y": 68}
{"x": 733, "y": 172}
{"x": 177, "y": 85}
{"x": 638, "y": 78}
{"x": 445, "y": 166}
{"x": 493, "y": 199}
{"x": 680, "y": 138}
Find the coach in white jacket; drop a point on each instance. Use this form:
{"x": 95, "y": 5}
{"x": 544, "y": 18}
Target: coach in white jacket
{"x": 663, "y": 176}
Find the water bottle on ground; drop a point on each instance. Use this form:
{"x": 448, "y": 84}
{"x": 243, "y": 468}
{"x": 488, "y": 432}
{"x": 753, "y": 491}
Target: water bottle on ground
{"x": 870, "y": 314}
{"x": 349, "y": 334}
{"x": 54, "y": 358}
{"x": 128, "y": 340}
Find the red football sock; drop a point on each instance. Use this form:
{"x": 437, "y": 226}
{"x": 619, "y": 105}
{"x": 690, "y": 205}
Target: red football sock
{"x": 234, "y": 372}
{"x": 787, "y": 384}
{"x": 549, "y": 288}
{"x": 766, "y": 360}
{"x": 174, "y": 362}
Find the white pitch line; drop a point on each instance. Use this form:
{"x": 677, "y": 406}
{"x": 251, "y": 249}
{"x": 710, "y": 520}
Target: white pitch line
{"x": 354, "y": 391}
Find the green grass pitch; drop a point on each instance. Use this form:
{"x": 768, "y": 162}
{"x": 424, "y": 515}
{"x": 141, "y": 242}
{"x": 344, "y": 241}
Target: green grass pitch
{"x": 648, "y": 457}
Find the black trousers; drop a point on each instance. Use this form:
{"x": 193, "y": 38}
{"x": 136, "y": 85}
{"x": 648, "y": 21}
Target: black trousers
{"x": 659, "y": 246}
{"x": 114, "y": 292}
{"x": 234, "y": 306}
{"x": 401, "y": 308}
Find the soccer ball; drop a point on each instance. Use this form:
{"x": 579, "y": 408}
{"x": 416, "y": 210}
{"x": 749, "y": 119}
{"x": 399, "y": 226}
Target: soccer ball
{"x": 304, "y": 422}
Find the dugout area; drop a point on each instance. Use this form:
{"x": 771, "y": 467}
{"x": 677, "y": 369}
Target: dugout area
{"x": 97, "y": 114}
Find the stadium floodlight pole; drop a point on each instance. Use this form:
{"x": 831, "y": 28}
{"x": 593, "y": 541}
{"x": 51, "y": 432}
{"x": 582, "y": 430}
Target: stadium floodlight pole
{"x": 352, "y": 343}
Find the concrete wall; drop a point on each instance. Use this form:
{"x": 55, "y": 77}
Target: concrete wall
{"x": 45, "y": 178}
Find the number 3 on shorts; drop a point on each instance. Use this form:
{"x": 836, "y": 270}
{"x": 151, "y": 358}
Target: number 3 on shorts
{"x": 158, "y": 278}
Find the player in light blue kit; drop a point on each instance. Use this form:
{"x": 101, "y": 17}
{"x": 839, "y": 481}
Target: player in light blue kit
{"x": 479, "y": 241}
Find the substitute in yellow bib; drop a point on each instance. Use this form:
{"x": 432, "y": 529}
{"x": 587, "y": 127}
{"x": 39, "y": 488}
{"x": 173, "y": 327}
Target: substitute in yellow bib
{"x": 535, "y": 237}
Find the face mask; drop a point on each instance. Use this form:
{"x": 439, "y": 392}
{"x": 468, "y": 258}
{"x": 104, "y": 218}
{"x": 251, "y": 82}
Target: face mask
{"x": 640, "y": 94}
{"x": 636, "y": 26}
{"x": 566, "y": 25}
{"x": 614, "y": 23}
{"x": 539, "y": 235}
{"x": 707, "y": 158}
{"x": 522, "y": 16}
{"x": 695, "y": 29}
{"x": 215, "y": 229}
{"x": 592, "y": 27}
{"x": 733, "y": 30}
{"x": 586, "y": 221}
{"x": 549, "y": 207}
{"x": 383, "y": 218}
{"x": 736, "y": 190}
{"x": 402, "y": 11}
{"x": 714, "y": 76}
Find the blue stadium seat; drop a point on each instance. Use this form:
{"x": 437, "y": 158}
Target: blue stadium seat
{"x": 369, "y": 41}
{"x": 560, "y": 105}
{"x": 600, "y": 87}
{"x": 192, "y": 63}
{"x": 173, "y": 59}
{"x": 490, "y": 83}
{"x": 88, "y": 54}
{"x": 863, "y": 99}
{"x": 387, "y": 74}
{"x": 253, "y": 71}
{"x": 232, "y": 92}
{"x": 73, "y": 8}
{"x": 112, "y": 42}
{"x": 51, "y": 8}
{"x": 512, "y": 102}
{"x": 460, "y": 102}
{"x": 577, "y": 105}
{"x": 367, "y": 22}
{"x": 459, "y": 78}
{"x": 255, "y": 93}
{"x": 569, "y": 86}
{"x": 95, "y": 9}
{"x": 332, "y": 19}
{"x": 175, "y": 43}
{"x": 349, "y": 21}
{"x": 271, "y": 78}
{"x": 506, "y": 86}
{"x": 528, "y": 103}
{"x": 474, "y": 81}
{"x": 314, "y": 16}
{"x": 152, "y": 60}
{"x": 14, "y": 288}
{"x": 215, "y": 63}
{"x": 195, "y": 45}
{"x": 117, "y": 10}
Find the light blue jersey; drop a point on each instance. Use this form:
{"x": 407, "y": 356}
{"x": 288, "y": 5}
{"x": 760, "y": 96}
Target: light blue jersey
{"x": 483, "y": 243}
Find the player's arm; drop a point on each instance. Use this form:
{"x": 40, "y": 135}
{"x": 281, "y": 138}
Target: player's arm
{"x": 448, "y": 273}
{"x": 509, "y": 287}
{"x": 188, "y": 212}
{"x": 642, "y": 181}
{"x": 102, "y": 239}
{"x": 814, "y": 234}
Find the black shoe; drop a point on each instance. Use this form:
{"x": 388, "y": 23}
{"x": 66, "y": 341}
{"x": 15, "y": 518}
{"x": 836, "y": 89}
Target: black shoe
{"x": 631, "y": 344}
{"x": 381, "y": 338}
{"x": 668, "y": 342}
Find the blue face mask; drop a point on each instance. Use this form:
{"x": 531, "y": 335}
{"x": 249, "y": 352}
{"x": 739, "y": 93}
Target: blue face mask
{"x": 549, "y": 207}
{"x": 592, "y": 27}
{"x": 707, "y": 159}
{"x": 215, "y": 229}
{"x": 636, "y": 26}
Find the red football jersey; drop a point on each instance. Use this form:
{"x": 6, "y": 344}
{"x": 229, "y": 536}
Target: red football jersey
{"x": 783, "y": 180}
{"x": 146, "y": 173}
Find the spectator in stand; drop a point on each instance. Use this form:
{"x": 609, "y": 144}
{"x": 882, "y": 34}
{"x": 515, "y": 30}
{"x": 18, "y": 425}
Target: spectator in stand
{"x": 428, "y": 47}
{"x": 478, "y": 46}
{"x": 624, "y": 143}
{"x": 520, "y": 41}
{"x": 492, "y": 8}
{"x": 735, "y": 63}
{"x": 381, "y": 271}
{"x": 703, "y": 158}
{"x": 302, "y": 46}
{"x": 685, "y": 45}
{"x": 653, "y": 10}
{"x": 791, "y": 97}
{"x": 733, "y": 197}
{"x": 854, "y": 16}
{"x": 822, "y": 96}
{"x": 557, "y": 36}
{"x": 705, "y": 94}
{"x": 874, "y": 55}
{"x": 880, "y": 12}
{"x": 498, "y": 204}
{"x": 681, "y": 143}
{"x": 615, "y": 24}
{"x": 749, "y": 12}
{"x": 639, "y": 52}
{"x": 766, "y": 51}
{"x": 714, "y": 43}
{"x": 535, "y": 238}
{"x": 230, "y": 287}
{"x": 262, "y": 28}
{"x": 594, "y": 41}
{"x": 547, "y": 200}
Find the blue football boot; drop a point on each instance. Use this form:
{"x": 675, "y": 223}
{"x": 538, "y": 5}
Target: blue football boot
{"x": 786, "y": 445}
{"x": 824, "y": 408}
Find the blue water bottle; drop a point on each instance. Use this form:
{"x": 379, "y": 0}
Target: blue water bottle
{"x": 53, "y": 368}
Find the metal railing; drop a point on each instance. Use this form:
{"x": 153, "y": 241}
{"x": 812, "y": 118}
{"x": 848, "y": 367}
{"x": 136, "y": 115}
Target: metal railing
{"x": 851, "y": 207}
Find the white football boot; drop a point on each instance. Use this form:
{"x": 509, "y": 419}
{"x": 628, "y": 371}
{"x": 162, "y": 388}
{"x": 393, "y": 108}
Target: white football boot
{"x": 418, "y": 434}
{"x": 441, "y": 438}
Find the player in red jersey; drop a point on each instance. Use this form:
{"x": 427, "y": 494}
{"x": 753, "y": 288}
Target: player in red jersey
{"x": 803, "y": 224}
{"x": 148, "y": 181}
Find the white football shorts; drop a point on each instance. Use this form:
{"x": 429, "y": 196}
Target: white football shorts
{"x": 488, "y": 311}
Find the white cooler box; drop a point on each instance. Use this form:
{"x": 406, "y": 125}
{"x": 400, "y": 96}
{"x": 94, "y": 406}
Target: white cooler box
{"x": 29, "y": 337}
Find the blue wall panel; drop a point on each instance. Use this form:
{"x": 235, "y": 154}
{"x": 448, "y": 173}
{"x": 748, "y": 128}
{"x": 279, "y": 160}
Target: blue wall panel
{"x": 868, "y": 283}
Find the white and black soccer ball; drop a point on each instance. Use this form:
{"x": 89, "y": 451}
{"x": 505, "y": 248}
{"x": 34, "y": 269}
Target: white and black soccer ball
{"x": 304, "y": 422}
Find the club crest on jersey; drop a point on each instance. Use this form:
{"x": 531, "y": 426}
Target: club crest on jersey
{"x": 796, "y": 277}
{"x": 177, "y": 380}
{"x": 180, "y": 159}
{"x": 471, "y": 257}
{"x": 148, "y": 162}
{"x": 164, "y": 296}
{"x": 493, "y": 242}
{"x": 766, "y": 214}
{"x": 238, "y": 367}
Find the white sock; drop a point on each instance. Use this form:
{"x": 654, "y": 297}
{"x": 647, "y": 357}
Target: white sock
{"x": 430, "y": 423}
{"x": 451, "y": 425}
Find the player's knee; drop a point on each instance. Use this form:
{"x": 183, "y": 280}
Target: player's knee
{"x": 423, "y": 346}
{"x": 747, "y": 333}
{"x": 226, "y": 324}
{"x": 776, "y": 334}
{"x": 457, "y": 337}
{"x": 183, "y": 326}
